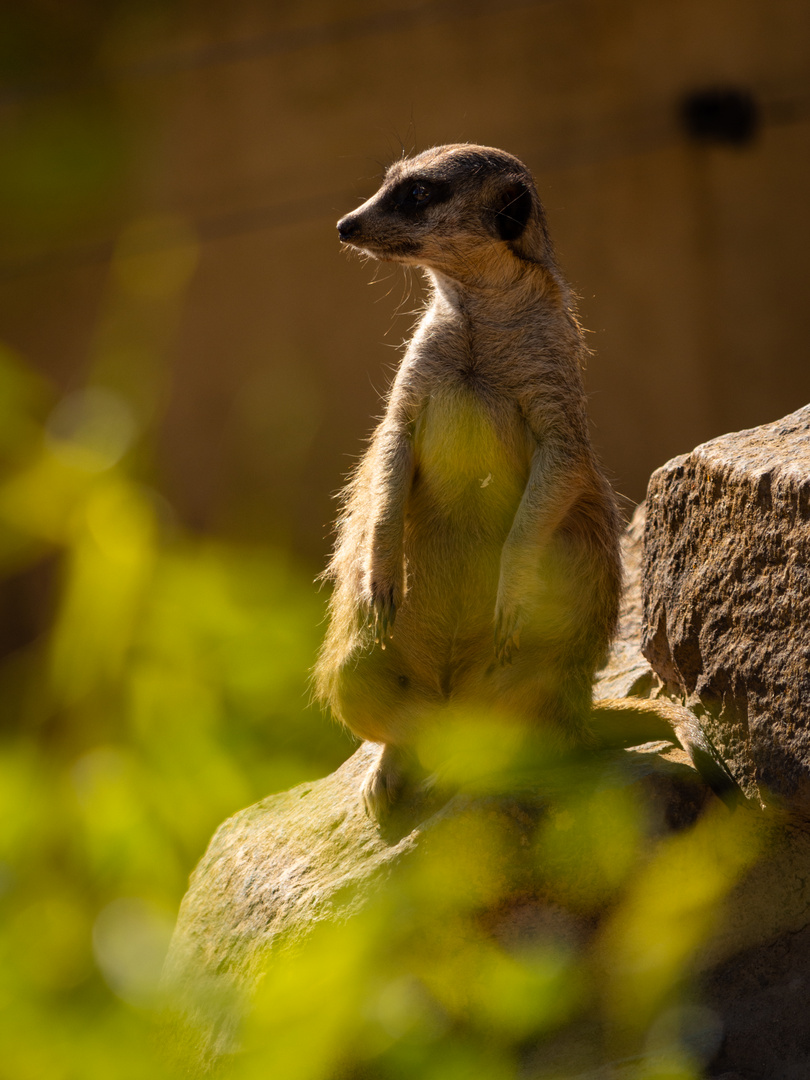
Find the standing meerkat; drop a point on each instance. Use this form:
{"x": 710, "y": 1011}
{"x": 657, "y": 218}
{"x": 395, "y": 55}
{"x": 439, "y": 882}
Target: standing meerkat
{"x": 477, "y": 560}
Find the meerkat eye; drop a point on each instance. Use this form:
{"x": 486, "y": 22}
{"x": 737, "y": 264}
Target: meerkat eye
{"x": 421, "y": 193}
{"x": 412, "y": 196}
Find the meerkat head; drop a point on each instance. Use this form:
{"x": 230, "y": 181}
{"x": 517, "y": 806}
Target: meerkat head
{"x": 469, "y": 212}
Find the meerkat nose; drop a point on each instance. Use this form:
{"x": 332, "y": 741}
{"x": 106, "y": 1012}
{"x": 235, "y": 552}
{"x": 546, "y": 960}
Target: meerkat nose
{"x": 348, "y": 227}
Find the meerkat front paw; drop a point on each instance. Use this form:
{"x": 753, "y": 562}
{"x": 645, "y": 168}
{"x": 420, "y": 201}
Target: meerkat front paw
{"x": 383, "y": 783}
{"x": 509, "y": 622}
{"x": 386, "y": 587}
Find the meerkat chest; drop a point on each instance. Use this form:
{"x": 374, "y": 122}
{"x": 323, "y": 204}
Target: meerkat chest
{"x": 471, "y": 448}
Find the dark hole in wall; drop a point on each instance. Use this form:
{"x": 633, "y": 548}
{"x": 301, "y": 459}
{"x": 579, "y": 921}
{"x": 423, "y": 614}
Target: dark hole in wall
{"x": 724, "y": 115}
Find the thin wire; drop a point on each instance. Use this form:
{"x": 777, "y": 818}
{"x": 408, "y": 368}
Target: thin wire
{"x": 278, "y": 42}
{"x": 645, "y": 136}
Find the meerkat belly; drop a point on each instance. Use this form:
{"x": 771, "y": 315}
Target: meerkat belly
{"x": 471, "y": 472}
{"x": 472, "y": 464}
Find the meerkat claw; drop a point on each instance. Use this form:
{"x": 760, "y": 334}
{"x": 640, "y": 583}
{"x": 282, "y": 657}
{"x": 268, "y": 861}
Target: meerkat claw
{"x": 382, "y": 621}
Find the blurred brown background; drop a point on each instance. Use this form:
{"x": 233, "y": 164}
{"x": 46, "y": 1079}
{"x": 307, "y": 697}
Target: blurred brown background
{"x": 171, "y": 175}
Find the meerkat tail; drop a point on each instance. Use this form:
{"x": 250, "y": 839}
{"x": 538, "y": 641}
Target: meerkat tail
{"x": 632, "y": 721}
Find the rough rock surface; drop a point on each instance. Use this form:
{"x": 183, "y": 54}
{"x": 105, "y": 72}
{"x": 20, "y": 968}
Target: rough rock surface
{"x": 276, "y": 871}
{"x": 727, "y": 599}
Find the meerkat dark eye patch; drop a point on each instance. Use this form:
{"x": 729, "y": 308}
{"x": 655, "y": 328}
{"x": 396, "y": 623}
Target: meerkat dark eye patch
{"x": 512, "y": 211}
{"x": 415, "y": 194}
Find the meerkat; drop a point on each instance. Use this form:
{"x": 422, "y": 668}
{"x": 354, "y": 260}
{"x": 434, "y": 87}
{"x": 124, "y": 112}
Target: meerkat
{"x": 477, "y": 559}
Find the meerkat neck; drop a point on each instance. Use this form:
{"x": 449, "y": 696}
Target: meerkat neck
{"x": 501, "y": 299}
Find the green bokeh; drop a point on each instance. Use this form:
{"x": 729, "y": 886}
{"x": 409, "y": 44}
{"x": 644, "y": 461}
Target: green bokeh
{"x": 153, "y": 682}
{"x": 163, "y": 684}
{"x": 165, "y": 687}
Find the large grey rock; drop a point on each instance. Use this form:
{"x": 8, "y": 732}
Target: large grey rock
{"x": 277, "y": 870}
{"x": 310, "y": 858}
{"x": 727, "y": 599}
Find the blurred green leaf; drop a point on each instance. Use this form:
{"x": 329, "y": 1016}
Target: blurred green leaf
{"x": 161, "y": 683}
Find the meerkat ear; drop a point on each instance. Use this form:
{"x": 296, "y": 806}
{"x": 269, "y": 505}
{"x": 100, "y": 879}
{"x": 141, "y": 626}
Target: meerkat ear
{"x": 513, "y": 209}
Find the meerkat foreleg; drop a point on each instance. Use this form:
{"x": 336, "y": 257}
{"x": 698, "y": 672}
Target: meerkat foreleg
{"x": 385, "y": 574}
{"x": 551, "y": 491}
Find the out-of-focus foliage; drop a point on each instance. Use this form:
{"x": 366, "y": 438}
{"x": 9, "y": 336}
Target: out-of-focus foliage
{"x": 451, "y": 972}
{"x": 158, "y": 683}
{"x": 163, "y": 686}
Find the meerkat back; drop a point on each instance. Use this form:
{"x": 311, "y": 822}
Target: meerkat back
{"x": 477, "y": 561}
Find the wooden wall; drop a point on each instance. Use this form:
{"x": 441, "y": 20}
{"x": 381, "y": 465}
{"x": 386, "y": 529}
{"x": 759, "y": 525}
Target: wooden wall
{"x": 174, "y": 175}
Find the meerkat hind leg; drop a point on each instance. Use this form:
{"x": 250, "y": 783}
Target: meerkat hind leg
{"x": 385, "y": 780}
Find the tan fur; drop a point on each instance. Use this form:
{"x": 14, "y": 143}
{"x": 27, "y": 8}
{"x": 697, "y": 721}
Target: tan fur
{"x": 477, "y": 560}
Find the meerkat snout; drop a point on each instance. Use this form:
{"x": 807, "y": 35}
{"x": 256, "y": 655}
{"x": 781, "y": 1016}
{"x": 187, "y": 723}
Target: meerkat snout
{"x": 347, "y": 227}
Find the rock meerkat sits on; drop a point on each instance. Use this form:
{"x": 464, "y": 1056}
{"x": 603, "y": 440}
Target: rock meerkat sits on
{"x": 477, "y": 560}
